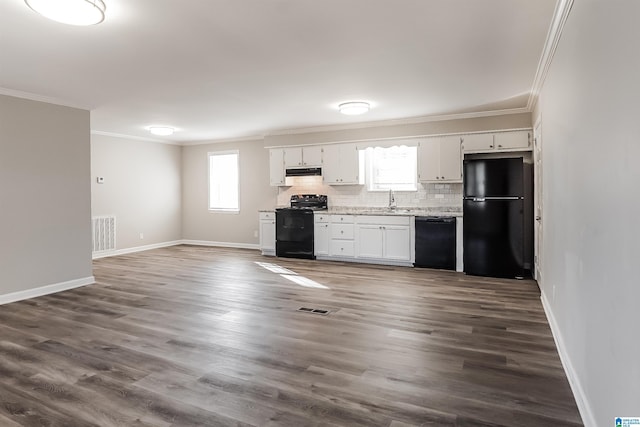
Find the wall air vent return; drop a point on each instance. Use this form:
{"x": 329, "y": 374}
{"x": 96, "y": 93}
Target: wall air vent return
{"x": 104, "y": 233}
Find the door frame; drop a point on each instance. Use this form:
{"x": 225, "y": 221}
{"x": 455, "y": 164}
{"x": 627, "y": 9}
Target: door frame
{"x": 538, "y": 201}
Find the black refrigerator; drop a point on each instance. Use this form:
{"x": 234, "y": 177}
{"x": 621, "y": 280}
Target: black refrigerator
{"x": 494, "y": 217}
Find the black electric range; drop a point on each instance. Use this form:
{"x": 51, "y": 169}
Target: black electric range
{"x": 294, "y": 226}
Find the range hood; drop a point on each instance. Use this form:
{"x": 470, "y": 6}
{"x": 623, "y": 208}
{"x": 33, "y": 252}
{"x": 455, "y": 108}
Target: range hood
{"x": 303, "y": 172}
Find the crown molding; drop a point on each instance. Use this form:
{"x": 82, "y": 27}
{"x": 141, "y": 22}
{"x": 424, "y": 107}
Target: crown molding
{"x": 398, "y": 122}
{"x": 41, "y": 98}
{"x": 222, "y": 141}
{"x": 560, "y": 16}
{"x": 136, "y": 138}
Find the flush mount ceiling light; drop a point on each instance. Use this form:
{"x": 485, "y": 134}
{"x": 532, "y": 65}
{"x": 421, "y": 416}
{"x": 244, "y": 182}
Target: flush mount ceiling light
{"x": 353, "y": 108}
{"x": 72, "y": 12}
{"x": 161, "y": 130}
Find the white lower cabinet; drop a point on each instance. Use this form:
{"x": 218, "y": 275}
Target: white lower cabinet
{"x": 370, "y": 238}
{"x": 385, "y": 238}
{"x": 321, "y": 234}
{"x": 268, "y": 233}
{"x": 342, "y": 236}
{"x": 374, "y": 239}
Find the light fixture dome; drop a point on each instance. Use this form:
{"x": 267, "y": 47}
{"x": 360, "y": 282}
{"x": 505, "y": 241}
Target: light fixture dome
{"x": 161, "y": 130}
{"x": 72, "y": 12}
{"x": 354, "y": 108}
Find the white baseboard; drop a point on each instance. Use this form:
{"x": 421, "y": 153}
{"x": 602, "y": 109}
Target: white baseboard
{"x": 221, "y": 244}
{"x": 45, "y": 290}
{"x": 135, "y": 249}
{"x": 578, "y": 392}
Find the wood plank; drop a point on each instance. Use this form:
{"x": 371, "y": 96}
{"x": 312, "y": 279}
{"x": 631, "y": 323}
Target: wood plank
{"x": 188, "y": 335}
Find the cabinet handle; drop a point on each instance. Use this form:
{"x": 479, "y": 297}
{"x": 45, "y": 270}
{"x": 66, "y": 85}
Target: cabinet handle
{"x": 499, "y": 145}
{"x": 341, "y": 231}
{"x": 491, "y": 146}
{"x": 442, "y": 177}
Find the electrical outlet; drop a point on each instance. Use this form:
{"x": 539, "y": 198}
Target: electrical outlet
{"x": 100, "y": 180}
{"x": 141, "y": 236}
{"x": 255, "y": 233}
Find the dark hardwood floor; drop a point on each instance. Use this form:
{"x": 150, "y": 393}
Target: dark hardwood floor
{"x": 187, "y": 336}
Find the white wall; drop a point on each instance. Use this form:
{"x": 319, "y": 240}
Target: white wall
{"x": 589, "y": 110}
{"x": 45, "y": 199}
{"x": 255, "y": 193}
{"x": 142, "y": 188}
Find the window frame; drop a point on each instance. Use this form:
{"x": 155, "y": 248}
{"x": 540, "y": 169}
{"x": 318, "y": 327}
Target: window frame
{"x": 211, "y": 154}
{"x": 367, "y": 168}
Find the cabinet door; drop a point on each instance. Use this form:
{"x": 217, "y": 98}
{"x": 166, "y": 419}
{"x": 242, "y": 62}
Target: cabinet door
{"x": 321, "y": 238}
{"x": 369, "y": 241}
{"x": 268, "y": 235}
{"x": 513, "y": 140}
{"x": 477, "y": 142}
{"x": 397, "y": 243}
{"x": 312, "y": 156}
{"x": 450, "y": 159}
{"x": 331, "y": 164}
{"x": 429, "y": 160}
{"x": 349, "y": 164}
{"x": 292, "y": 157}
{"x": 276, "y": 167}
{"x": 340, "y": 164}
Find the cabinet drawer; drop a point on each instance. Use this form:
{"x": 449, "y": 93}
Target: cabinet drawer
{"x": 342, "y": 219}
{"x": 342, "y": 248}
{"x": 320, "y": 218}
{"x": 267, "y": 215}
{"x": 342, "y": 231}
{"x": 384, "y": 220}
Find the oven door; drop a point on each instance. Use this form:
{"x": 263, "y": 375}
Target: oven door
{"x": 294, "y": 233}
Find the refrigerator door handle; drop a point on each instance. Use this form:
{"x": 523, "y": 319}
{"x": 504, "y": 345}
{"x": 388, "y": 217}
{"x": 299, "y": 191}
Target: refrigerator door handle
{"x": 479, "y": 199}
{"x": 503, "y": 198}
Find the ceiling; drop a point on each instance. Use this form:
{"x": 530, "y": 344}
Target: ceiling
{"x": 224, "y": 69}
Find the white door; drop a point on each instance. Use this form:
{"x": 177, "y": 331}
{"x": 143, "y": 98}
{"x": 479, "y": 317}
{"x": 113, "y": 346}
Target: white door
{"x": 292, "y": 157}
{"x": 397, "y": 243}
{"x": 331, "y": 164}
{"x": 268, "y": 235}
{"x": 312, "y": 156}
{"x": 369, "y": 241}
{"x": 321, "y": 238}
{"x": 450, "y": 159}
{"x": 276, "y": 166}
{"x": 429, "y": 160}
{"x": 537, "y": 158}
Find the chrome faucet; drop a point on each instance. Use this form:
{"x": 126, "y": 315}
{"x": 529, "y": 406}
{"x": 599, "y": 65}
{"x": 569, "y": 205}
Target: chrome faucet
{"x": 392, "y": 200}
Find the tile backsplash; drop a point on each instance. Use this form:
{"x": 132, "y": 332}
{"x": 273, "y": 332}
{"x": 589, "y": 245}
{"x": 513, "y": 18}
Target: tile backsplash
{"x": 445, "y": 196}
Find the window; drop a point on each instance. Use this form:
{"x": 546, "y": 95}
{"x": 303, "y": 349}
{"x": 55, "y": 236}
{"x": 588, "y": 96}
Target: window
{"x": 224, "y": 181}
{"x": 392, "y": 168}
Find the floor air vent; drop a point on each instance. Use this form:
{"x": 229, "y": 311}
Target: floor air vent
{"x": 314, "y": 310}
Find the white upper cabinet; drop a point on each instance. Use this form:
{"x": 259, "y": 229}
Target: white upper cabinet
{"x": 340, "y": 164}
{"x": 302, "y": 157}
{"x": 477, "y": 142}
{"x": 440, "y": 159}
{"x": 276, "y": 167}
{"x": 499, "y": 141}
{"x": 513, "y": 140}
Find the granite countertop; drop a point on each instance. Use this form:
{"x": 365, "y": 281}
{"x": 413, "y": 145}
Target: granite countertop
{"x": 400, "y": 211}
{"x": 348, "y": 210}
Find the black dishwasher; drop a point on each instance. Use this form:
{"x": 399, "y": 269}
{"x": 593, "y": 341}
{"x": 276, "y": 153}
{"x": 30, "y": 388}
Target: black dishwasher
{"x": 436, "y": 242}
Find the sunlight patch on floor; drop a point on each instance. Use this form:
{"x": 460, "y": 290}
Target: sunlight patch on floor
{"x": 291, "y": 275}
